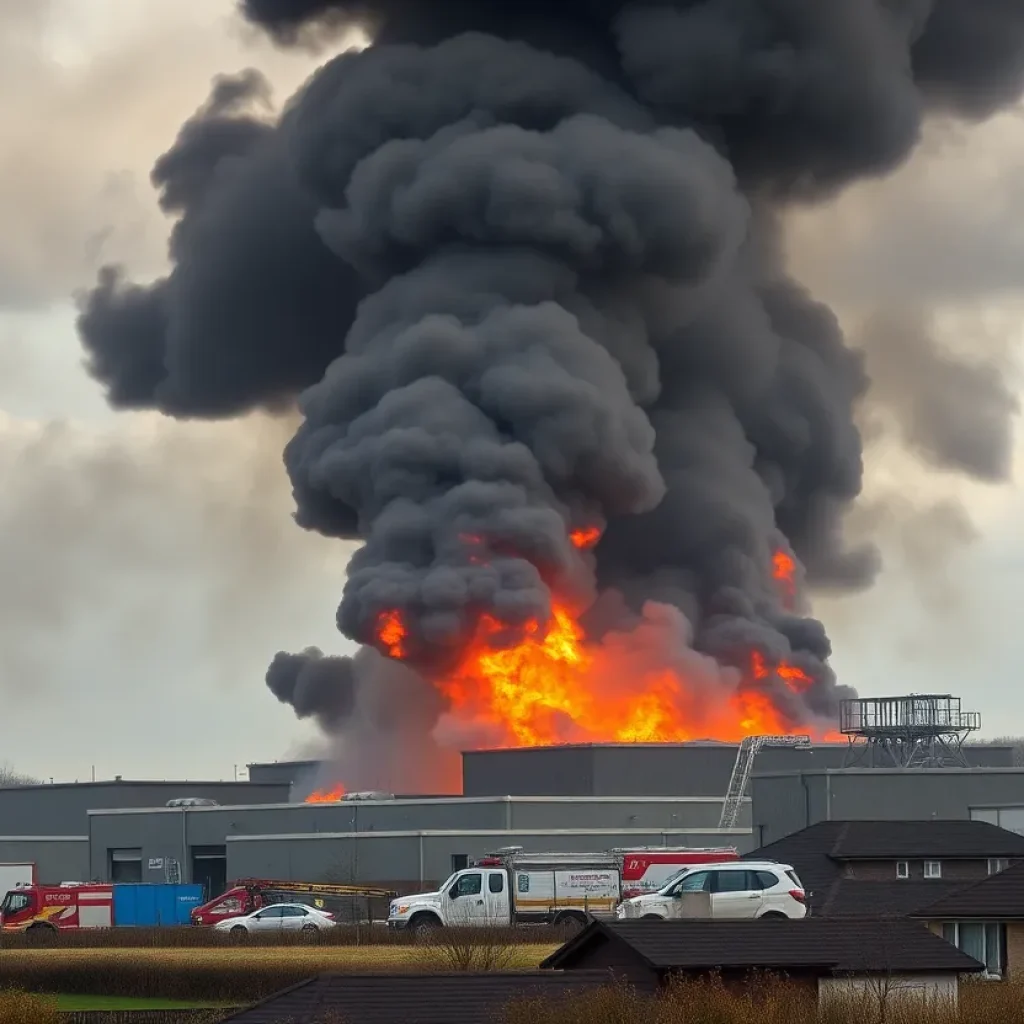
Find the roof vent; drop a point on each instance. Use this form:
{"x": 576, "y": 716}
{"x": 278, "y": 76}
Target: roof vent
{"x": 192, "y": 801}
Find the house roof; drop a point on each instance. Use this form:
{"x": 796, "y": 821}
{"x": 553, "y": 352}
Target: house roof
{"x": 849, "y": 897}
{"x": 819, "y": 851}
{"x": 425, "y": 998}
{"x": 999, "y": 896}
{"x": 832, "y": 945}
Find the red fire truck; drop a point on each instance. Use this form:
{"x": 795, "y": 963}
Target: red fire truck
{"x": 647, "y": 868}
{"x": 53, "y": 907}
{"x": 248, "y": 895}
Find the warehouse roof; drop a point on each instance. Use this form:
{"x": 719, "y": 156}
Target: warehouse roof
{"x": 830, "y": 945}
{"x": 427, "y": 998}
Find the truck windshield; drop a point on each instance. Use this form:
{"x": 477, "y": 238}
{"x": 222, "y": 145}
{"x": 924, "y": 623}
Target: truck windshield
{"x": 15, "y": 902}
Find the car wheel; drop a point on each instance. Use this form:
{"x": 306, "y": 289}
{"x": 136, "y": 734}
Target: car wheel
{"x": 239, "y": 932}
{"x": 773, "y": 915}
{"x": 424, "y": 924}
{"x": 310, "y": 928}
{"x": 651, "y": 917}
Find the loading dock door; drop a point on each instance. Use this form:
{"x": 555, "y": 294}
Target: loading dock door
{"x": 210, "y": 869}
{"x": 125, "y": 865}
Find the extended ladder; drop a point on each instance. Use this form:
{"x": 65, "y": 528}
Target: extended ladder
{"x": 740, "y": 778}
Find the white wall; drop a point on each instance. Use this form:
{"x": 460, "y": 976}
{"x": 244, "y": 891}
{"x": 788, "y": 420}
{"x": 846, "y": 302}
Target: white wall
{"x": 933, "y": 987}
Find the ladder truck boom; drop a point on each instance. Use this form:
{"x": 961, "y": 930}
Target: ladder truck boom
{"x": 749, "y": 748}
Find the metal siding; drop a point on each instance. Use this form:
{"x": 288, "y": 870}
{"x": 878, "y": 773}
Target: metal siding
{"x": 780, "y": 807}
{"x": 326, "y": 860}
{"x": 56, "y": 810}
{"x": 616, "y": 814}
{"x": 674, "y": 770}
{"x": 784, "y": 804}
{"x": 537, "y": 771}
{"x": 397, "y": 859}
{"x": 919, "y": 794}
{"x": 158, "y": 835}
{"x": 56, "y": 861}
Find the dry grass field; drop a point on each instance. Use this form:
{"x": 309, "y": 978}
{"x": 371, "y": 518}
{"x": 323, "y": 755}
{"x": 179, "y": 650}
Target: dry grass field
{"x": 242, "y": 973}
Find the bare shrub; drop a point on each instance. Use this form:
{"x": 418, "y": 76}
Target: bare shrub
{"x": 469, "y": 948}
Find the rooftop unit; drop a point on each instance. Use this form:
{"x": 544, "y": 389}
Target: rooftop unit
{"x": 919, "y": 730}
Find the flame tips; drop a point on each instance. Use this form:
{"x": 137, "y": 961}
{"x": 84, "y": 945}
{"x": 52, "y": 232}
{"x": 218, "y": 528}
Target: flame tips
{"x": 585, "y": 536}
{"x": 326, "y": 796}
{"x": 391, "y": 632}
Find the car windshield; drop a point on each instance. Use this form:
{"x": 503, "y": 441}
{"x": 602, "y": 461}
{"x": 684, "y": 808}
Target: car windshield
{"x": 664, "y": 890}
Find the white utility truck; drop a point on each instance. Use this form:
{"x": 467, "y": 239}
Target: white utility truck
{"x": 513, "y": 887}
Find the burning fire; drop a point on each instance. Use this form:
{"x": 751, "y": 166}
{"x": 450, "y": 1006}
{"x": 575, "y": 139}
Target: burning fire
{"x": 391, "y": 632}
{"x": 585, "y": 537}
{"x": 784, "y": 571}
{"x": 553, "y": 687}
{"x": 326, "y": 796}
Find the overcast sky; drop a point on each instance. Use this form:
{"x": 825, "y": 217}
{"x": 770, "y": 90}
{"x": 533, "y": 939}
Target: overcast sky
{"x": 149, "y": 569}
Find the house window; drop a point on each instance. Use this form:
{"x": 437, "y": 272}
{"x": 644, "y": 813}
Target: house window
{"x": 997, "y": 864}
{"x": 985, "y": 942}
{"x": 902, "y": 869}
{"x": 933, "y": 869}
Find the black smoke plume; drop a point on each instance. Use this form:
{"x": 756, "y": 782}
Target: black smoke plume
{"x": 520, "y": 264}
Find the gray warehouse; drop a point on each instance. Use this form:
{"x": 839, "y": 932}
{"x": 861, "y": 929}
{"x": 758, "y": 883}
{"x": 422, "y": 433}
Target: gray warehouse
{"x": 574, "y": 797}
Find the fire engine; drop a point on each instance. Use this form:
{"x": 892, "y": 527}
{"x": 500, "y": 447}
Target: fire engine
{"x": 52, "y": 908}
{"x": 248, "y": 895}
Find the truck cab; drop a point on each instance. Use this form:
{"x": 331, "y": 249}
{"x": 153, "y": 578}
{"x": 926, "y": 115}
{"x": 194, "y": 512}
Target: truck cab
{"x": 514, "y": 887}
{"x": 471, "y": 896}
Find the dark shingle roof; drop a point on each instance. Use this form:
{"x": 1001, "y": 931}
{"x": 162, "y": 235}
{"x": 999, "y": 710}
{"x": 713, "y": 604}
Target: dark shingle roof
{"x": 918, "y": 840}
{"x": 460, "y": 998}
{"x": 808, "y": 852}
{"x": 830, "y": 944}
{"x": 817, "y": 851}
{"x": 998, "y": 896}
{"x": 849, "y": 897}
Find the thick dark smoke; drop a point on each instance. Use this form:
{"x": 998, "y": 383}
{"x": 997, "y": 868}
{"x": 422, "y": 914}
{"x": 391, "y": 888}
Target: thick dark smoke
{"x": 522, "y": 263}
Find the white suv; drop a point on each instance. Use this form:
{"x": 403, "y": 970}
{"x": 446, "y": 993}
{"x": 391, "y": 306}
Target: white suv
{"x": 741, "y": 889}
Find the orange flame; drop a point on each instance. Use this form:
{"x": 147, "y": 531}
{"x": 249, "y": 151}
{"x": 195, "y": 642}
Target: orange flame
{"x": 391, "y": 631}
{"x": 585, "y": 536}
{"x": 555, "y": 689}
{"x": 784, "y": 571}
{"x": 551, "y": 686}
{"x": 326, "y": 796}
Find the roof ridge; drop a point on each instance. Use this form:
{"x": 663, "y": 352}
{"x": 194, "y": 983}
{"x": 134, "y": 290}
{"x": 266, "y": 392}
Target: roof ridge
{"x": 833, "y": 853}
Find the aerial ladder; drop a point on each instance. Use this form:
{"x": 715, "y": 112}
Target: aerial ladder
{"x": 749, "y": 748}
{"x": 264, "y": 885}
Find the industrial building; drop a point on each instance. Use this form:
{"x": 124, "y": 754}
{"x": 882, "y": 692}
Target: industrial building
{"x": 562, "y": 798}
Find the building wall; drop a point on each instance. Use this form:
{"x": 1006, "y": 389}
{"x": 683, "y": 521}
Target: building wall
{"x": 933, "y": 986}
{"x": 688, "y": 769}
{"x": 785, "y": 803}
{"x": 160, "y": 834}
{"x": 1014, "y": 950}
{"x": 57, "y": 858}
{"x": 885, "y": 870}
{"x": 411, "y": 861}
{"x": 62, "y": 809}
{"x": 285, "y": 773}
{"x": 657, "y": 769}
